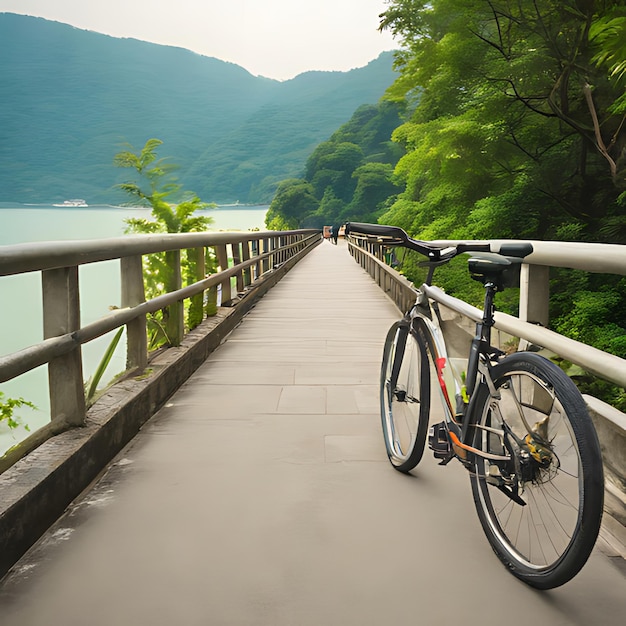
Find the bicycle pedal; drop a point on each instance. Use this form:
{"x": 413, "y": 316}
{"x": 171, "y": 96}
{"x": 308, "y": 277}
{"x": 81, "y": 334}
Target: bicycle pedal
{"x": 439, "y": 443}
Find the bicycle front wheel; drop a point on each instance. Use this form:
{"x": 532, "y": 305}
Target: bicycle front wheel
{"x": 541, "y": 510}
{"x": 404, "y": 397}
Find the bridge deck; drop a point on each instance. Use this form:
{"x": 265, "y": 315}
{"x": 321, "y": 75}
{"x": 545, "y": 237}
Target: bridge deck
{"x": 261, "y": 494}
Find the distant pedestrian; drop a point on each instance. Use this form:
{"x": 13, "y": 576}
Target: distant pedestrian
{"x": 335, "y": 232}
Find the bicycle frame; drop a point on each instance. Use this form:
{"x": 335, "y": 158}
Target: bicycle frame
{"x": 458, "y": 399}
{"x": 456, "y": 393}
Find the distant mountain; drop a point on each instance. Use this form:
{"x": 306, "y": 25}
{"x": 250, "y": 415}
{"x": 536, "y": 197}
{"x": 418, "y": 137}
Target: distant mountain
{"x": 71, "y": 99}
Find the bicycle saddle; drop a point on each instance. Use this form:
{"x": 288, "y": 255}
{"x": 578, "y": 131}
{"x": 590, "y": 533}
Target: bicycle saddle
{"x": 488, "y": 266}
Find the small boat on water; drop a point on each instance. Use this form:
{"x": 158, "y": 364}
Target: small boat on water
{"x": 77, "y": 202}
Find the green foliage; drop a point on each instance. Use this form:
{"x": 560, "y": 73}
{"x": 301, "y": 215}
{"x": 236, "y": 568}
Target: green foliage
{"x": 294, "y": 198}
{"x": 374, "y": 185}
{"x": 7, "y": 411}
{"x": 153, "y": 187}
{"x": 506, "y": 121}
{"x": 334, "y": 169}
{"x": 330, "y": 207}
{"x": 590, "y": 309}
{"x": 608, "y": 36}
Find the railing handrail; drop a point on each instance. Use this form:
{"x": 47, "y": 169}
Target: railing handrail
{"x": 31, "y": 257}
{"x": 17, "y": 363}
{"x": 602, "y": 364}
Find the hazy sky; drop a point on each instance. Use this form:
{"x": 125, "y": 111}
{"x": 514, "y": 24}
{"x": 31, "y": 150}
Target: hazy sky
{"x": 274, "y": 38}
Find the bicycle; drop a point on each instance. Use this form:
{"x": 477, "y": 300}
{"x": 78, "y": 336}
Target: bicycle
{"x": 516, "y": 422}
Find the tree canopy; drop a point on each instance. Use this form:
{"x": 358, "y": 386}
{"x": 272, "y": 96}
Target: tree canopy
{"x": 517, "y": 131}
{"x": 520, "y": 113}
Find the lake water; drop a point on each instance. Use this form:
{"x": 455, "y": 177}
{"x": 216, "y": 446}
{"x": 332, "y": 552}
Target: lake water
{"x": 20, "y": 296}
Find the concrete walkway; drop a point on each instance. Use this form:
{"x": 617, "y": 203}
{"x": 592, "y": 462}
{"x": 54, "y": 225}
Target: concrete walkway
{"x": 261, "y": 494}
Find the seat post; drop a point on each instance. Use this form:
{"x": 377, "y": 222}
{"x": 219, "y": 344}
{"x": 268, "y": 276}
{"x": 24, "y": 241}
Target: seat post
{"x": 488, "y": 310}
{"x": 483, "y": 335}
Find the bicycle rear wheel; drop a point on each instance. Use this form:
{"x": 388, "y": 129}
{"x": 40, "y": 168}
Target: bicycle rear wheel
{"x": 404, "y": 397}
{"x": 541, "y": 511}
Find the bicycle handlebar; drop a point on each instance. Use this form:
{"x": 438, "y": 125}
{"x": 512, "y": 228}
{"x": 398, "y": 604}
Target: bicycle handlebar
{"x": 395, "y": 236}
{"x": 377, "y": 229}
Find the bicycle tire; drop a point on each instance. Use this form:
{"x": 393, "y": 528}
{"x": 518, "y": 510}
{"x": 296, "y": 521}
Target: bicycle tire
{"x": 546, "y": 542}
{"x": 404, "y": 397}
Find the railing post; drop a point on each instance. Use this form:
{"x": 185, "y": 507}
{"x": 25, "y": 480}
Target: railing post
{"x": 175, "y": 323}
{"x": 272, "y": 247}
{"x": 222, "y": 260}
{"x": 245, "y": 255}
{"x": 133, "y": 293}
{"x": 534, "y": 294}
{"x": 265, "y": 264}
{"x": 196, "y": 260}
{"x": 61, "y": 315}
{"x": 256, "y": 251}
{"x": 236, "y": 248}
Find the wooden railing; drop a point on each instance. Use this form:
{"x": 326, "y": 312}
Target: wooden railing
{"x": 244, "y": 260}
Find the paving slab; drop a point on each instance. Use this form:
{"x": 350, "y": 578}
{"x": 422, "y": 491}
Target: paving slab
{"x": 261, "y": 495}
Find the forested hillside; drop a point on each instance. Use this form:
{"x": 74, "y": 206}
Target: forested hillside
{"x": 72, "y": 98}
{"x": 515, "y": 128}
{"x": 349, "y": 176}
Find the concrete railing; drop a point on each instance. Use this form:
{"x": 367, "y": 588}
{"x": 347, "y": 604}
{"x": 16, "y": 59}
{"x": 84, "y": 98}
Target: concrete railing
{"x": 530, "y": 328}
{"x": 244, "y": 260}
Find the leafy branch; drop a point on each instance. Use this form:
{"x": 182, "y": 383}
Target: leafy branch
{"x": 154, "y": 186}
{"x": 7, "y": 411}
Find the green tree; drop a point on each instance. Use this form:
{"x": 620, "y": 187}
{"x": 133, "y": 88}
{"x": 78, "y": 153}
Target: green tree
{"x": 294, "y": 201}
{"x": 155, "y": 187}
{"x": 330, "y": 207}
{"x": 370, "y": 127}
{"x": 507, "y": 89}
{"x": 374, "y": 186}
{"x": 334, "y": 169}
{"x": 607, "y": 35}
